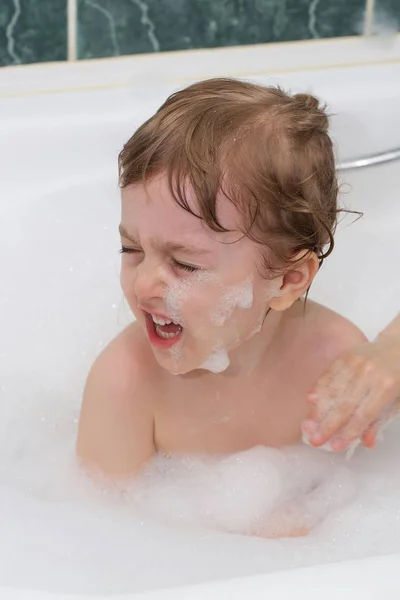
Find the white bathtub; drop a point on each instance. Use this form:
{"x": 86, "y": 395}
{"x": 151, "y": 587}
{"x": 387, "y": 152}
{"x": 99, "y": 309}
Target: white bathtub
{"x": 61, "y": 129}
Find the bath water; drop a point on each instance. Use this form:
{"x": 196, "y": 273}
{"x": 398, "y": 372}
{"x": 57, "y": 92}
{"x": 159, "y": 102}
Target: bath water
{"x": 186, "y": 519}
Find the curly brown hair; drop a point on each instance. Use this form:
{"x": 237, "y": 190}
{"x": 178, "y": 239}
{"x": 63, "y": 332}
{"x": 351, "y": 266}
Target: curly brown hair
{"x": 268, "y": 152}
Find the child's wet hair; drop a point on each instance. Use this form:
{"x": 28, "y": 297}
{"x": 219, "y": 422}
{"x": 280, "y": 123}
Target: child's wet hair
{"x": 266, "y": 151}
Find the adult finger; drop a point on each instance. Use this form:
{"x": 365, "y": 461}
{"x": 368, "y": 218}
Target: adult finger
{"x": 354, "y": 397}
{"x": 333, "y": 422}
{"x": 373, "y": 409}
{"x": 368, "y": 438}
{"x": 371, "y": 435}
{"x": 341, "y": 411}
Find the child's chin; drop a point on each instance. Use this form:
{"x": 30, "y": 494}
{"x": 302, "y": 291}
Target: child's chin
{"x": 183, "y": 367}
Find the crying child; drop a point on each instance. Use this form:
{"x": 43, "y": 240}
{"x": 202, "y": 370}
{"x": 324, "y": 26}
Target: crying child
{"x": 229, "y": 204}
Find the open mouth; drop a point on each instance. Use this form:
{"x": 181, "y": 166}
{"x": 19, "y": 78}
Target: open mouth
{"x": 162, "y": 332}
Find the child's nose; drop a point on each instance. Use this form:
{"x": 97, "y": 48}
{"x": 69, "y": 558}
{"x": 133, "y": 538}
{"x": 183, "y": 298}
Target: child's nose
{"x": 150, "y": 281}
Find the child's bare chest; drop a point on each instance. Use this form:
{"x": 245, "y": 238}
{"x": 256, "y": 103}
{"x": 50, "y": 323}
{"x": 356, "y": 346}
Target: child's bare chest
{"x": 229, "y": 417}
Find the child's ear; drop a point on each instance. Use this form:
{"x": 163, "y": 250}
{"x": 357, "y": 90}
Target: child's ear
{"x": 296, "y": 280}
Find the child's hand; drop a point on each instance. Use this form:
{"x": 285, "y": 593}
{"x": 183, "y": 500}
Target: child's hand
{"x": 357, "y": 394}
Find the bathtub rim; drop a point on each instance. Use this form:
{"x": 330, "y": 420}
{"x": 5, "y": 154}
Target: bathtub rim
{"x": 367, "y": 579}
{"x": 190, "y": 65}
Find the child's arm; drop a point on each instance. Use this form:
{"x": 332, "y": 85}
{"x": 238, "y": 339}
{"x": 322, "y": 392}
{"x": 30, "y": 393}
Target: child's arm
{"x": 115, "y": 434}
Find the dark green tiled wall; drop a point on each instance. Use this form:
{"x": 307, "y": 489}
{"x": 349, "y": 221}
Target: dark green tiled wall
{"x": 109, "y": 27}
{"x": 32, "y": 31}
{"x": 35, "y": 30}
{"x": 387, "y": 14}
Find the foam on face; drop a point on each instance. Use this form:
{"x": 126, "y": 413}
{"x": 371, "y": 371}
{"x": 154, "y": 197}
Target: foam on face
{"x": 240, "y": 295}
{"x": 176, "y": 353}
{"x": 217, "y": 362}
{"x": 181, "y": 290}
{"x": 235, "y": 296}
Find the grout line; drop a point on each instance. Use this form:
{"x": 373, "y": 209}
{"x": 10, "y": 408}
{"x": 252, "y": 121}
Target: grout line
{"x": 72, "y": 17}
{"x": 369, "y": 17}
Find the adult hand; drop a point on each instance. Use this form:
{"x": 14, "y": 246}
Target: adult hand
{"x": 357, "y": 394}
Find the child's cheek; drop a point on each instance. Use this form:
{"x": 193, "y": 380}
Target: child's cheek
{"x": 189, "y": 300}
{"x": 208, "y": 307}
{"x": 235, "y": 296}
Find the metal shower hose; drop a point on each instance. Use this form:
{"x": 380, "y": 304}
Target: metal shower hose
{"x": 368, "y": 161}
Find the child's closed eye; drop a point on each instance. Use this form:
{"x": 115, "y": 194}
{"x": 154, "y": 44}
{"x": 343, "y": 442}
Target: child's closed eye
{"x": 124, "y": 249}
{"x": 175, "y": 263}
{"x": 183, "y": 267}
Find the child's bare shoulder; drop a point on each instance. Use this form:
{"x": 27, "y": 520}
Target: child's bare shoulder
{"x": 130, "y": 347}
{"x": 317, "y": 337}
{"x": 117, "y": 421}
{"x": 126, "y": 360}
{"x": 329, "y": 330}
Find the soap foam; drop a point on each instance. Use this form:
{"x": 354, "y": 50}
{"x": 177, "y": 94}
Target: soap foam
{"x": 240, "y": 295}
{"x": 249, "y": 492}
{"x": 217, "y": 362}
{"x": 181, "y": 290}
{"x": 176, "y": 353}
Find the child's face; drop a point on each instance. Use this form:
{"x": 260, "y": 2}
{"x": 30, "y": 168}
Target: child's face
{"x": 207, "y": 283}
